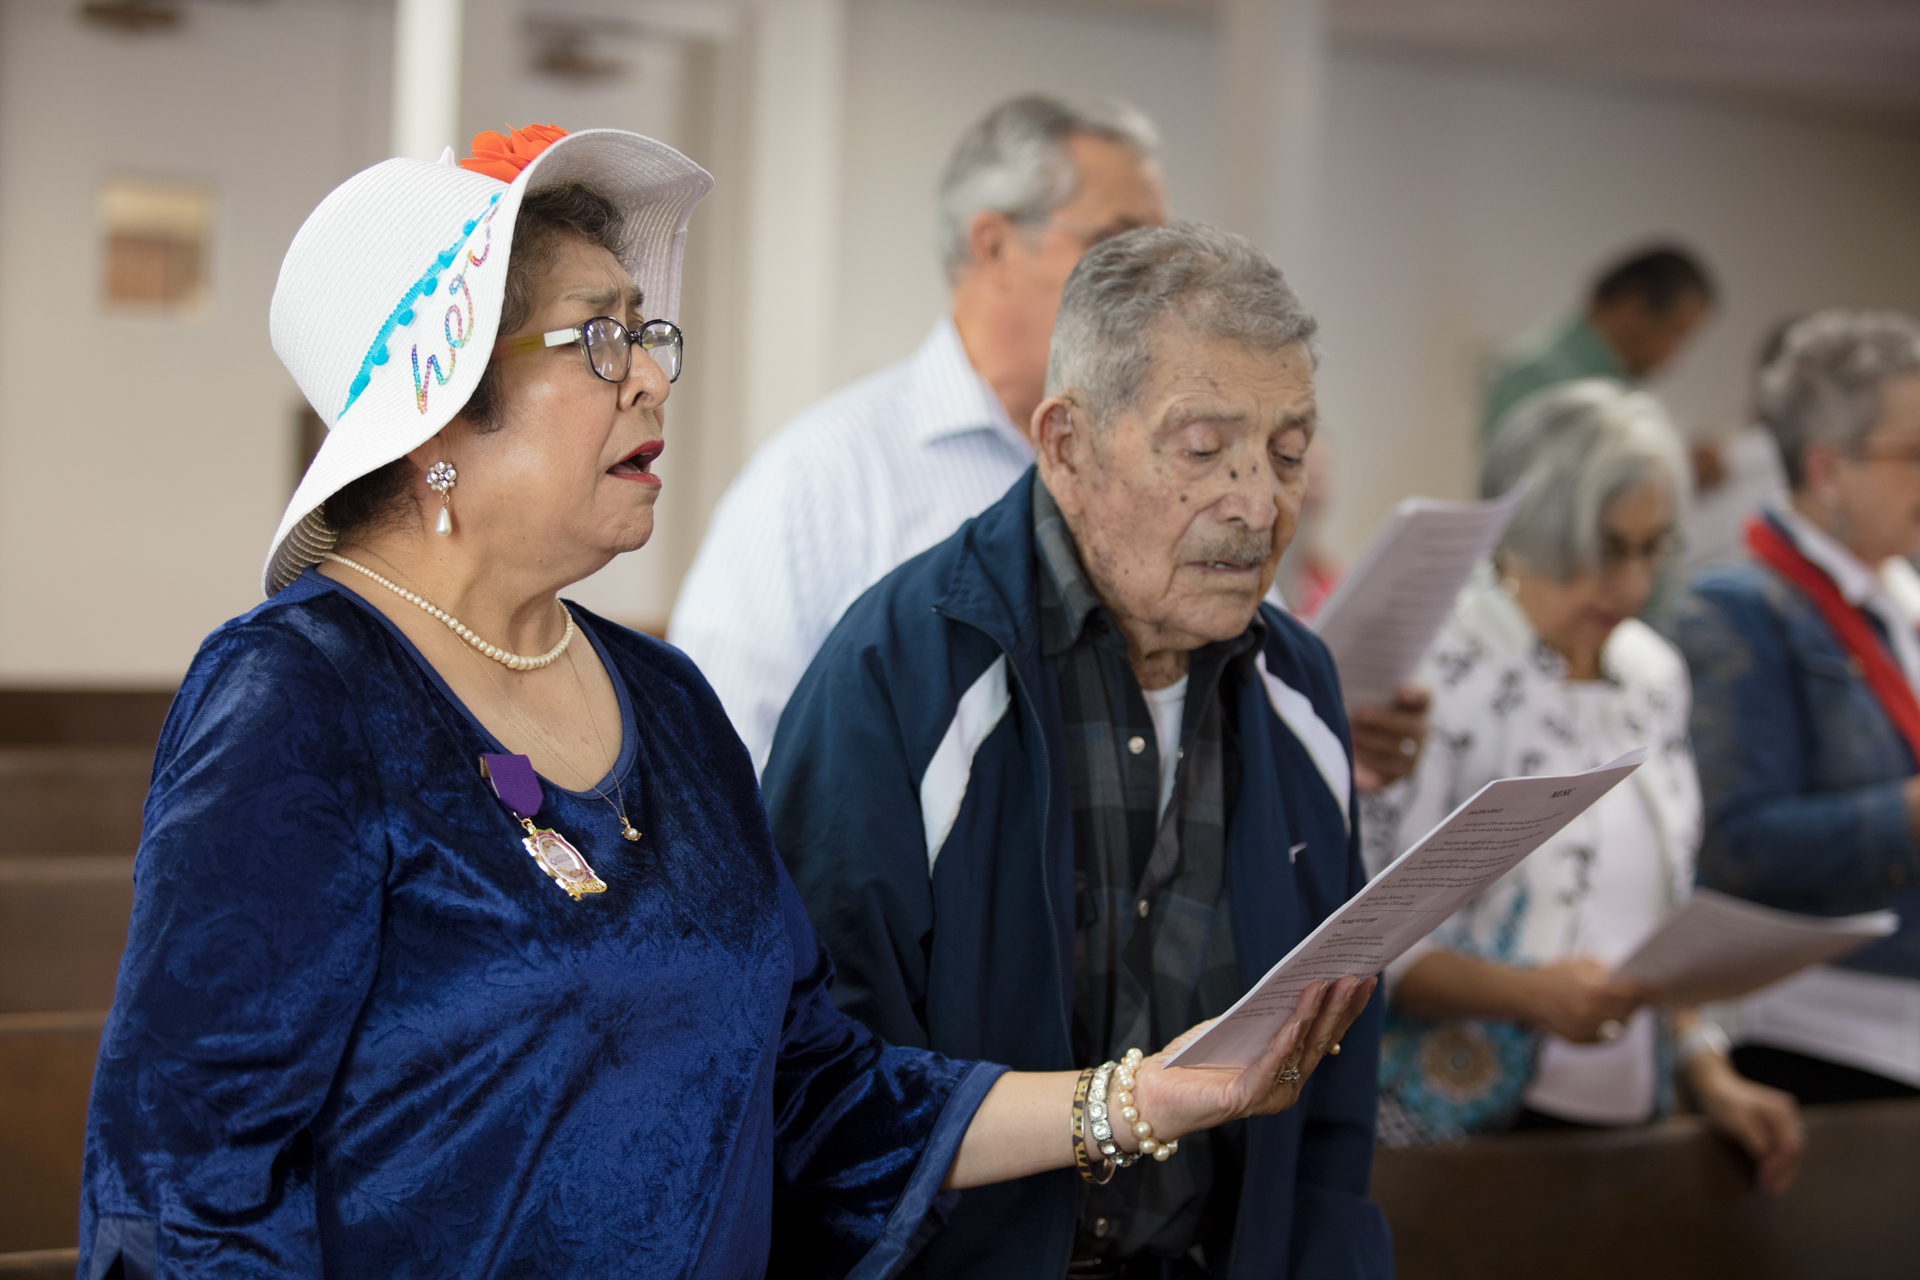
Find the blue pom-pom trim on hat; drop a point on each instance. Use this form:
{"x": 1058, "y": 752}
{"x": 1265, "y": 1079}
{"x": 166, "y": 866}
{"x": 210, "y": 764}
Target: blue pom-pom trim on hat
{"x": 402, "y": 314}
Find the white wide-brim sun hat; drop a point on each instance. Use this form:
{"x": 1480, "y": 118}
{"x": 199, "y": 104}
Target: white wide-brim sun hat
{"x": 389, "y": 300}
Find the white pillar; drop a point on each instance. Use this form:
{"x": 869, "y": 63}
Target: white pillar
{"x": 426, "y": 77}
{"x": 1274, "y": 55}
{"x": 793, "y": 219}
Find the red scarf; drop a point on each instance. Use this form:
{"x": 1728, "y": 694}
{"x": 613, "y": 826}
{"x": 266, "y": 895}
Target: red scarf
{"x": 1883, "y": 675}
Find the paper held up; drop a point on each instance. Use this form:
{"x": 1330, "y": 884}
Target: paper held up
{"x": 1478, "y": 843}
{"x": 1718, "y": 947}
{"x": 1388, "y": 609}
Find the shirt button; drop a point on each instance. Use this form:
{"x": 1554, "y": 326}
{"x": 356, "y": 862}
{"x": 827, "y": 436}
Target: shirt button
{"x": 1144, "y": 907}
{"x": 1181, "y": 754}
{"x": 1136, "y": 744}
{"x": 1100, "y": 1226}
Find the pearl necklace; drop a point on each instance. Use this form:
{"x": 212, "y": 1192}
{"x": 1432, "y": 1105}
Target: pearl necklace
{"x": 518, "y": 662}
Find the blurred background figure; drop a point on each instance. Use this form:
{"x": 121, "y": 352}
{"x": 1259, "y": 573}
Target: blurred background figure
{"x": 1639, "y": 315}
{"x": 1544, "y": 668}
{"x": 1750, "y": 475}
{"x": 1387, "y": 739}
{"x": 893, "y": 464}
{"x": 1805, "y": 716}
{"x": 1308, "y": 571}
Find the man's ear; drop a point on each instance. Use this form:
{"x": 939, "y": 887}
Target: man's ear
{"x": 1059, "y": 445}
{"x": 1819, "y": 462}
{"x": 988, "y": 237}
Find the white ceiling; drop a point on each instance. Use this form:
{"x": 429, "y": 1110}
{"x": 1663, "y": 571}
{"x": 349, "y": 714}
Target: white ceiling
{"x": 1858, "y": 58}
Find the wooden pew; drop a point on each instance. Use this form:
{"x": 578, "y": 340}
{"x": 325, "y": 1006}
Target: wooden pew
{"x": 63, "y": 924}
{"x": 46, "y": 1067}
{"x": 74, "y": 766}
{"x": 40, "y": 1264}
{"x": 82, "y": 717}
{"x": 1669, "y": 1201}
{"x": 72, "y": 799}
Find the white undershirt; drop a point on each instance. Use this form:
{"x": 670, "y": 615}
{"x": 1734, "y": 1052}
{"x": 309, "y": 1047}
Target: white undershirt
{"x": 1167, "y": 706}
{"x": 1617, "y": 1082}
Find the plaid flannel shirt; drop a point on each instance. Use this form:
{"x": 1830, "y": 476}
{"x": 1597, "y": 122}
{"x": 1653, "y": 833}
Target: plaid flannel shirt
{"x": 1154, "y": 950}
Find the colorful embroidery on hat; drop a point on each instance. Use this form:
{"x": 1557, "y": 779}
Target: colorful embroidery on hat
{"x": 454, "y": 318}
{"x": 403, "y": 314}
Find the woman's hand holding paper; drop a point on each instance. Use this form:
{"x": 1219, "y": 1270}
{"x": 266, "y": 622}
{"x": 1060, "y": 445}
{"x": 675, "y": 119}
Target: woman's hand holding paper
{"x": 1182, "y": 1100}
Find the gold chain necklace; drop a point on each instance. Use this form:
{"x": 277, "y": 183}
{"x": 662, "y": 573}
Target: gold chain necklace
{"x": 626, "y": 828}
{"x": 519, "y": 662}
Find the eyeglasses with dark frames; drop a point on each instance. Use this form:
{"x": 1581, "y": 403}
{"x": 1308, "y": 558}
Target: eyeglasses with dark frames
{"x": 1616, "y": 553}
{"x": 608, "y": 346}
{"x": 1887, "y": 453}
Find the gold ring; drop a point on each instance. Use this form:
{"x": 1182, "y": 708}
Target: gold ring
{"x": 1288, "y": 1074}
{"x": 1335, "y": 1051}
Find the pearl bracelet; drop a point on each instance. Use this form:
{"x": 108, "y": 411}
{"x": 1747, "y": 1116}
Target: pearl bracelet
{"x": 1122, "y": 1074}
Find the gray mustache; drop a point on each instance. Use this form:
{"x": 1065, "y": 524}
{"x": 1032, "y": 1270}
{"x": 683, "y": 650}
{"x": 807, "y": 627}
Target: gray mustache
{"x": 1246, "y": 548}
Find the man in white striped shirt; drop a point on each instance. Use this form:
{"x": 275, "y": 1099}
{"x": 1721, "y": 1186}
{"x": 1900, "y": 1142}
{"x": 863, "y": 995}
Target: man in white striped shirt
{"x": 888, "y": 467}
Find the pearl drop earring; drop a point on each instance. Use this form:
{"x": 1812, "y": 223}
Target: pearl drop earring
{"x": 440, "y": 478}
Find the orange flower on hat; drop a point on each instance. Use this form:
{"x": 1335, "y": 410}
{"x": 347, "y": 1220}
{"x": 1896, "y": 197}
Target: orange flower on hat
{"x": 504, "y": 156}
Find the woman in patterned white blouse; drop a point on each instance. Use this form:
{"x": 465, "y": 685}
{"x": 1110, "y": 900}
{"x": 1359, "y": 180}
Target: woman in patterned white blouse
{"x": 1507, "y": 1015}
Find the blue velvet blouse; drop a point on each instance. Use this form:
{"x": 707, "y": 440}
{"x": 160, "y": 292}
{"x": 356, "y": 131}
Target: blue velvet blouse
{"x": 358, "y": 1032}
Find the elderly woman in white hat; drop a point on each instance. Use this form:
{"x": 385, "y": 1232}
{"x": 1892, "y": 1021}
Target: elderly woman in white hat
{"x": 460, "y": 946}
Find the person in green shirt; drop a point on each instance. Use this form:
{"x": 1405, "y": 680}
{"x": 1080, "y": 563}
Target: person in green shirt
{"x": 1639, "y": 314}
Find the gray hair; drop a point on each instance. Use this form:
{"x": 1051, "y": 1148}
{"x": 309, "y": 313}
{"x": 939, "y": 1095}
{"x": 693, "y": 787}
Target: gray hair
{"x": 1218, "y": 284}
{"x": 1577, "y": 447}
{"x": 1824, "y": 386}
{"x": 1015, "y": 162}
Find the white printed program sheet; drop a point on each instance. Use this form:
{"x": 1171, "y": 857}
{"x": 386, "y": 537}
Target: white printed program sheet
{"x": 1477, "y": 844}
{"x": 1387, "y": 611}
{"x": 1718, "y": 947}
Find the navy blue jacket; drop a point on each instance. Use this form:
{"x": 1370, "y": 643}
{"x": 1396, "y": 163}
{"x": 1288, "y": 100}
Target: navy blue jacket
{"x": 918, "y": 791}
{"x": 1803, "y": 775}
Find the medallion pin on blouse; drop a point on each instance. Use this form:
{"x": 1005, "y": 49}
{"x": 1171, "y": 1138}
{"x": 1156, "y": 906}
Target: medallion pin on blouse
{"x": 518, "y": 789}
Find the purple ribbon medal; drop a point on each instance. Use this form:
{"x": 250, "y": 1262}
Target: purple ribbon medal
{"x": 518, "y": 789}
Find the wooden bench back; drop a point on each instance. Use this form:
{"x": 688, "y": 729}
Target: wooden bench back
{"x": 1671, "y": 1200}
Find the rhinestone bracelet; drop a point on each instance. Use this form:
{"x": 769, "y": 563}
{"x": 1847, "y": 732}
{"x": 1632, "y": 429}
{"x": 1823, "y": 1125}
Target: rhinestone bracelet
{"x": 1102, "y": 1125}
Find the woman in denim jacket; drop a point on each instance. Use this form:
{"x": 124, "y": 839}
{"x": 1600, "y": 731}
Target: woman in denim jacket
{"x": 1805, "y": 720}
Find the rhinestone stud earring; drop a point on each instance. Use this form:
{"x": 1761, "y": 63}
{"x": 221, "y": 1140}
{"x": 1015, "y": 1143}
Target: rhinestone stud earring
{"x": 440, "y": 478}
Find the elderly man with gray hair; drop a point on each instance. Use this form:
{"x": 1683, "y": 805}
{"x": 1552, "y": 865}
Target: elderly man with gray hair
{"x": 1063, "y": 785}
{"x": 885, "y": 468}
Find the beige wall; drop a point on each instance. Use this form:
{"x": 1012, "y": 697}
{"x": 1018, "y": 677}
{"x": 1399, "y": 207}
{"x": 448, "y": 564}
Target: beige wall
{"x": 143, "y": 463}
{"x": 1458, "y": 207}
{"x": 1463, "y": 207}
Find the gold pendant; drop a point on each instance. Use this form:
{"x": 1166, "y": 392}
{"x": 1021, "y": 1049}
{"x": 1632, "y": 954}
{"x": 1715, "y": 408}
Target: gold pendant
{"x": 561, "y": 860}
{"x": 626, "y": 829}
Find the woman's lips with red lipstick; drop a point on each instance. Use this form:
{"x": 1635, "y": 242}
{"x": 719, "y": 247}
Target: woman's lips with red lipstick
{"x": 634, "y": 465}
